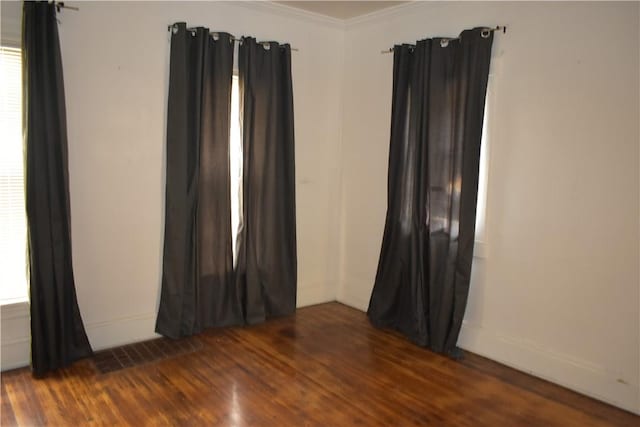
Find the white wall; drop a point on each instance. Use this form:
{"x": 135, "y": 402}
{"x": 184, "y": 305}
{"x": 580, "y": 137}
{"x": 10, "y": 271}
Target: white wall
{"x": 115, "y": 58}
{"x": 557, "y": 294}
{"x": 116, "y": 73}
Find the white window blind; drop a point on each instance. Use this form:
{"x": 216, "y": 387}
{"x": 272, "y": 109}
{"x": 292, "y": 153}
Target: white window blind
{"x": 13, "y": 222}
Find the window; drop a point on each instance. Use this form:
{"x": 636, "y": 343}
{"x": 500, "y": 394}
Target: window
{"x": 235, "y": 162}
{"x": 482, "y": 180}
{"x": 13, "y": 221}
{"x": 480, "y": 249}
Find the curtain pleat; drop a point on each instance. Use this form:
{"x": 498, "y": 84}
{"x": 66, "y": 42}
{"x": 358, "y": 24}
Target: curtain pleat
{"x": 198, "y": 288}
{"x": 267, "y": 260}
{"x": 57, "y": 334}
{"x": 422, "y": 282}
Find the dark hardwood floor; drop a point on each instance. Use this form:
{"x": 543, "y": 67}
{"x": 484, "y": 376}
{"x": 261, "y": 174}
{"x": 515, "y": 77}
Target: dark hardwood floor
{"x": 325, "y": 366}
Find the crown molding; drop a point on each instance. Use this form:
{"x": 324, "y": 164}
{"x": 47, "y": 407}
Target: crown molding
{"x": 383, "y": 13}
{"x": 292, "y": 12}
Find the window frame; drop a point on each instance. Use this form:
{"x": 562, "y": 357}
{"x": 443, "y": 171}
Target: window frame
{"x": 481, "y": 246}
{"x": 21, "y": 294}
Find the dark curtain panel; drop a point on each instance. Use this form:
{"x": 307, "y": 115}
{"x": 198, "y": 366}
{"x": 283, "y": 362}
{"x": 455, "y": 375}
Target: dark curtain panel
{"x": 267, "y": 263}
{"x": 422, "y": 282}
{"x": 57, "y": 334}
{"x": 198, "y": 289}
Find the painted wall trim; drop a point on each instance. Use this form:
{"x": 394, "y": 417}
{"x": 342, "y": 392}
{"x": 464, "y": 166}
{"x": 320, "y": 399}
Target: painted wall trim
{"x": 318, "y": 18}
{"x": 105, "y": 334}
{"x": 16, "y": 342}
{"x": 15, "y": 353}
{"x": 380, "y": 14}
{"x": 314, "y": 294}
{"x": 122, "y": 331}
{"x": 353, "y": 301}
{"x": 563, "y": 369}
{"x": 12, "y": 311}
{"x": 292, "y": 12}
{"x": 558, "y": 368}
{"x": 480, "y": 249}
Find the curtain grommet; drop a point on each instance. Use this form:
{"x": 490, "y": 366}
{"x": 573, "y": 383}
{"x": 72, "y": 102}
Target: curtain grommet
{"x": 215, "y": 36}
{"x": 485, "y": 33}
{"x": 444, "y": 42}
{"x": 174, "y": 29}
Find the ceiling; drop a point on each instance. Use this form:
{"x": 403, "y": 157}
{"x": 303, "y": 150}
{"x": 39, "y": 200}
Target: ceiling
{"x": 341, "y": 9}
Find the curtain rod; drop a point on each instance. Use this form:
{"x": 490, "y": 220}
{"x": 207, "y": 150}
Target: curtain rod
{"x": 444, "y": 41}
{"x": 233, "y": 38}
{"x": 60, "y": 5}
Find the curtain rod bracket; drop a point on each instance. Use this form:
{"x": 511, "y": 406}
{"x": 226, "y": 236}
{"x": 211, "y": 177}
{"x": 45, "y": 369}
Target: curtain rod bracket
{"x": 60, "y": 5}
{"x": 498, "y": 28}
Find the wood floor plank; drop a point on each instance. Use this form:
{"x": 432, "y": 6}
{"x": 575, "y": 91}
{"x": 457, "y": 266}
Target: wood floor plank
{"x": 325, "y": 366}
{"x": 7, "y": 416}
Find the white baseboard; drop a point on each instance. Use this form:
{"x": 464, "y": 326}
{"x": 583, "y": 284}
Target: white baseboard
{"x": 15, "y": 345}
{"x": 312, "y": 295}
{"x": 16, "y": 340}
{"x": 122, "y": 331}
{"x": 353, "y": 301}
{"x": 578, "y": 375}
{"x": 15, "y": 354}
{"x": 562, "y": 369}
{"x": 141, "y": 327}
{"x": 565, "y": 370}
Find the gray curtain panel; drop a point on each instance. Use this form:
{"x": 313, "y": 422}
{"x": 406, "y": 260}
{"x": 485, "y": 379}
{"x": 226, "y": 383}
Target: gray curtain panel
{"x": 267, "y": 262}
{"x": 422, "y": 282}
{"x": 198, "y": 288}
{"x": 57, "y": 333}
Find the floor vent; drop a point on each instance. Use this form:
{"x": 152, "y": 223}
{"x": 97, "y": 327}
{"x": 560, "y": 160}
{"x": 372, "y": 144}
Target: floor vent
{"x": 115, "y": 359}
